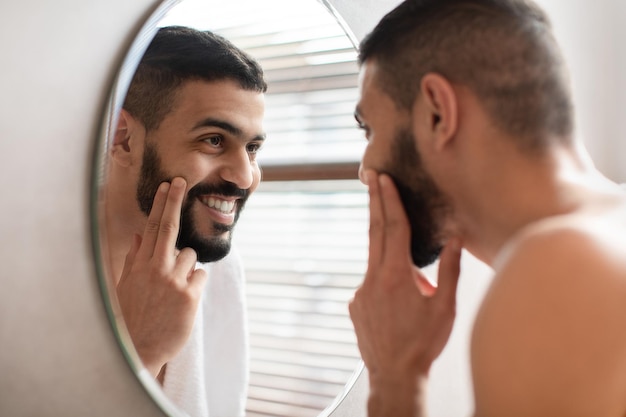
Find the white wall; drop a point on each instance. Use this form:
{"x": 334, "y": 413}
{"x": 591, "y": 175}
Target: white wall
{"x": 58, "y": 355}
{"x": 591, "y": 35}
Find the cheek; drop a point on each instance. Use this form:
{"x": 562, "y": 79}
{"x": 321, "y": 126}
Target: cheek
{"x": 198, "y": 169}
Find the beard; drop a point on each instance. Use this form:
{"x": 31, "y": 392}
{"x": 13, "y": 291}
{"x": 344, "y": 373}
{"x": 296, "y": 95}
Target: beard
{"x": 208, "y": 248}
{"x": 423, "y": 202}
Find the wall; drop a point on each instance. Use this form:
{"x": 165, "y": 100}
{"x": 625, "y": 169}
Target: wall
{"x": 591, "y": 34}
{"x": 58, "y": 354}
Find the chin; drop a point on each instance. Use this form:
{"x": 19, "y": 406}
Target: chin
{"x": 212, "y": 257}
{"x": 211, "y": 241}
{"x": 212, "y": 249}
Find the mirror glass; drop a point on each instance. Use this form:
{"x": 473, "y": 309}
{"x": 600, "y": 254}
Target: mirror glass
{"x": 302, "y": 238}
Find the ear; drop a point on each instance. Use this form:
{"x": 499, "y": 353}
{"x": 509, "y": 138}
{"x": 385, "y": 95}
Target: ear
{"x": 124, "y": 140}
{"x": 441, "y": 104}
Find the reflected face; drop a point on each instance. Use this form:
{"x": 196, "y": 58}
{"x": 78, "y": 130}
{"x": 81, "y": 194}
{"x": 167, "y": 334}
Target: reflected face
{"x": 210, "y": 138}
{"x": 392, "y": 149}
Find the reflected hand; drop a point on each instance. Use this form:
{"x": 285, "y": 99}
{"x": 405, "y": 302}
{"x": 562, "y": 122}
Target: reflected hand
{"x": 160, "y": 289}
{"x": 402, "y": 322}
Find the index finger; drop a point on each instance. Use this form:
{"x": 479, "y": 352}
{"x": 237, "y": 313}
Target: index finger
{"x": 377, "y": 221}
{"x": 151, "y": 231}
{"x": 170, "y": 220}
{"x": 397, "y": 232}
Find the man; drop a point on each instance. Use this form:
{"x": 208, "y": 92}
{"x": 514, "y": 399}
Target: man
{"x": 468, "y": 116}
{"x": 181, "y": 166}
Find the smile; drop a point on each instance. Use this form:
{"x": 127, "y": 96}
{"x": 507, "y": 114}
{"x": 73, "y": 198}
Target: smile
{"x": 223, "y": 206}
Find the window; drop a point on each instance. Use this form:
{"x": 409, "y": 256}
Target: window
{"x": 304, "y": 244}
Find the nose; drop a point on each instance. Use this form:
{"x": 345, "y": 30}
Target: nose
{"x": 239, "y": 169}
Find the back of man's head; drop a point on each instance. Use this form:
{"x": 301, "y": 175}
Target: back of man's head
{"x": 502, "y": 50}
{"x": 178, "y": 54}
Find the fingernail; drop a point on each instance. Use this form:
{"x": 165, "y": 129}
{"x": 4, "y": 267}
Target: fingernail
{"x": 164, "y": 187}
{"x": 178, "y": 182}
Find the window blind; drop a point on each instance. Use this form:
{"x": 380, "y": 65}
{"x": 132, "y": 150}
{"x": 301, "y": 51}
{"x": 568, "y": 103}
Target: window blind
{"x": 305, "y": 247}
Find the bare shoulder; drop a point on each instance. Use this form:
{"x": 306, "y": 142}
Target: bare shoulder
{"x": 549, "y": 338}
{"x": 593, "y": 238}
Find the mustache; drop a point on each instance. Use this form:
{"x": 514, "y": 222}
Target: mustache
{"x": 225, "y": 188}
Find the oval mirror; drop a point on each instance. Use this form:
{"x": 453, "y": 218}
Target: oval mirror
{"x": 302, "y": 239}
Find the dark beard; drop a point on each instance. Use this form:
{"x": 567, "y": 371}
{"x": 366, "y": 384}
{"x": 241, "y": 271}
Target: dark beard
{"x": 422, "y": 200}
{"x": 208, "y": 248}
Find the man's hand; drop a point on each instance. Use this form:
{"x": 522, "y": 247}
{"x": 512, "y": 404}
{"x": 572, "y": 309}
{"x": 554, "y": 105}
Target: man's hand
{"x": 402, "y": 323}
{"x": 160, "y": 288}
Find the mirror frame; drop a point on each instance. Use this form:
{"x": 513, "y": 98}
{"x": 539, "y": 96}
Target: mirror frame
{"x": 353, "y": 387}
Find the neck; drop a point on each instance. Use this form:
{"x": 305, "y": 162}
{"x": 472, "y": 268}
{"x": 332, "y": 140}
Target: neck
{"x": 515, "y": 191}
{"x": 122, "y": 220}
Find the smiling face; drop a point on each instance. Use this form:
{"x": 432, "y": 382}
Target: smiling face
{"x": 210, "y": 138}
{"x": 392, "y": 149}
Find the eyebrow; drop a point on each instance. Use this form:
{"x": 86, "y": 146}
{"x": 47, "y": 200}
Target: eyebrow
{"x": 228, "y": 127}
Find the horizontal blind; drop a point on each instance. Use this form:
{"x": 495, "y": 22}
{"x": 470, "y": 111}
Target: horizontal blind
{"x": 305, "y": 247}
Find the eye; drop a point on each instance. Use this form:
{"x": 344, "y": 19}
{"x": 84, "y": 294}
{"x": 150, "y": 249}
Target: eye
{"x": 215, "y": 141}
{"x": 362, "y": 126}
{"x": 253, "y": 147}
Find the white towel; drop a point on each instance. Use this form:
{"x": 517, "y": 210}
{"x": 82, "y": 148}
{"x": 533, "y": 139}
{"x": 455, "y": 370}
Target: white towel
{"x": 209, "y": 377}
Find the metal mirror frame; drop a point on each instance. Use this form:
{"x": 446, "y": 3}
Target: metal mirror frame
{"x": 113, "y": 106}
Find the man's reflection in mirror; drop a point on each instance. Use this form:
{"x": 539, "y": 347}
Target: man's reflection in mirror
{"x": 181, "y": 166}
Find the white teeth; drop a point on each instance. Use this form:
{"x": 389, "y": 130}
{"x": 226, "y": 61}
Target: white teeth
{"x": 220, "y": 205}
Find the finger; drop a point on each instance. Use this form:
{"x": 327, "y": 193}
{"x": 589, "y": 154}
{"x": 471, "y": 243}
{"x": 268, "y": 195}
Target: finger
{"x": 197, "y": 279}
{"x": 130, "y": 256}
{"x": 423, "y": 284}
{"x": 170, "y": 220}
{"x": 377, "y": 226}
{"x": 185, "y": 263}
{"x": 397, "y": 233}
{"x": 151, "y": 231}
{"x": 449, "y": 270}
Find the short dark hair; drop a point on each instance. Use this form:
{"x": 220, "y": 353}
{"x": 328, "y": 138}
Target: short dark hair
{"x": 502, "y": 50}
{"x": 178, "y": 54}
